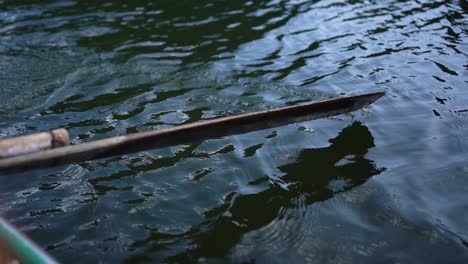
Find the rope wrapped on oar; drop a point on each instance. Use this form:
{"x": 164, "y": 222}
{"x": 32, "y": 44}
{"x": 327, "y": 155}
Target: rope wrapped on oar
{"x": 182, "y": 134}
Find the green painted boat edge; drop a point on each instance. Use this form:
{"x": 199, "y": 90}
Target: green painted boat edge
{"x": 22, "y": 247}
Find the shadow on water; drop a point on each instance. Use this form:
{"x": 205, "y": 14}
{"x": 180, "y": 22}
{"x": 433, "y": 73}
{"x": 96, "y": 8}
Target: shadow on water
{"x": 313, "y": 176}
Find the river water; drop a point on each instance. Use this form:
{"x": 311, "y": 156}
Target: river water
{"x": 384, "y": 184}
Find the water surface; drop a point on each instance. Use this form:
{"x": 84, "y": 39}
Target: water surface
{"x": 385, "y": 184}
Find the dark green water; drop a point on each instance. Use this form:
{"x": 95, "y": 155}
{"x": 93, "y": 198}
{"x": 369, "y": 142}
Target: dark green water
{"x": 387, "y": 184}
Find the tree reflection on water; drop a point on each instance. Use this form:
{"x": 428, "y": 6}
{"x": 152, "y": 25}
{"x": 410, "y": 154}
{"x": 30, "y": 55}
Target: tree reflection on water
{"x": 316, "y": 175}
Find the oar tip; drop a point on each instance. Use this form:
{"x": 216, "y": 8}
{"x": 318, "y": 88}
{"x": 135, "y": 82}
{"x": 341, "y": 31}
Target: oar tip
{"x": 370, "y": 98}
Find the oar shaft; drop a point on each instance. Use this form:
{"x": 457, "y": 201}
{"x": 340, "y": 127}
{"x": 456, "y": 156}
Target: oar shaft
{"x": 33, "y": 143}
{"x": 187, "y": 133}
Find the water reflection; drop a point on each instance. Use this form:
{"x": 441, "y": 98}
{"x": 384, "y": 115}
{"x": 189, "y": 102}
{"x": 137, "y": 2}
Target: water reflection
{"x": 103, "y": 68}
{"x": 316, "y": 175}
{"x": 186, "y": 31}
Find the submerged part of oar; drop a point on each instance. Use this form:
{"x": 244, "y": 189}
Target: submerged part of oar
{"x": 201, "y": 130}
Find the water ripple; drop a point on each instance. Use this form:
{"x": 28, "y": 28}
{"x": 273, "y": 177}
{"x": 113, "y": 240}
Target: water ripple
{"x": 388, "y": 177}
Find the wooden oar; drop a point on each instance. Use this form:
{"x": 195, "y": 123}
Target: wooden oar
{"x": 33, "y": 143}
{"x": 201, "y": 130}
